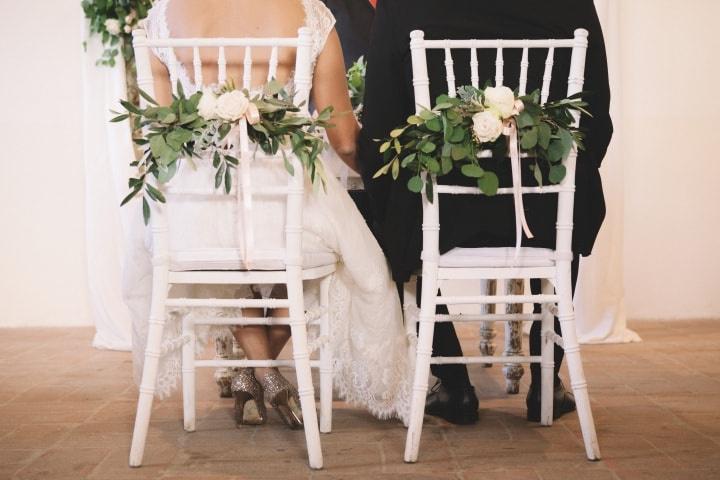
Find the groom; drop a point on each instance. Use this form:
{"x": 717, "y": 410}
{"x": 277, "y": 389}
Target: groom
{"x": 479, "y": 221}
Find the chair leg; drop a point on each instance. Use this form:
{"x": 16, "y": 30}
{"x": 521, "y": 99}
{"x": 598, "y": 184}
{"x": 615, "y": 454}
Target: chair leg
{"x": 578, "y": 383}
{"x": 513, "y": 337}
{"x": 547, "y": 362}
{"x": 422, "y": 364}
{"x": 301, "y": 357}
{"x": 326, "y": 360}
{"x": 487, "y": 329}
{"x": 150, "y": 367}
{"x": 223, "y": 376}
{"x": 188, "y": 375}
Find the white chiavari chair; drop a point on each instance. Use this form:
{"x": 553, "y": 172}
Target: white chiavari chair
{"x": 251, "y": 260}
{"x": 552, "y": 266}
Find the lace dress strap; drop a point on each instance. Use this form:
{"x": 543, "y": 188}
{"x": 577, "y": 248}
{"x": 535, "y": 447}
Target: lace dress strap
{"x": 320, "y": 21}
{"x": 157, "y": 27}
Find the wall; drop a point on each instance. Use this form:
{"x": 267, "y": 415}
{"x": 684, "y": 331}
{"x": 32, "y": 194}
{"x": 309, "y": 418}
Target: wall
{"x": 43, "y": 280}
{"x": 672, "y": 202}
{"x": 669, "y": 73}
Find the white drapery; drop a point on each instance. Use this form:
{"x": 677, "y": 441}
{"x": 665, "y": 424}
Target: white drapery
{"x": 600, "y": 296}
{"x": 118, "y": 265}
{"x": 107, "y": 153}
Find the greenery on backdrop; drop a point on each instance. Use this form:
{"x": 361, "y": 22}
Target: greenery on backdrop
{"x": 114, "y": 21}
{"x": 199, "y": 126}
{"x": 452, "y": 134}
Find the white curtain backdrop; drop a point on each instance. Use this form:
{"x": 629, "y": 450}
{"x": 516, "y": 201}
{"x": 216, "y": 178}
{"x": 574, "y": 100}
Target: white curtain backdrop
{"x": 107, "y": 153}
{"x": 600, "y": 296}
{"x": 118, "y": 264}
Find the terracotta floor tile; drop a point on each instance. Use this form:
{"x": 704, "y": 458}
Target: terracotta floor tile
{"x": 70, "y": 415}
{"x": 68, "y": 464}
{"x": 32, "y": 435}
{"x": 12, "y": 460}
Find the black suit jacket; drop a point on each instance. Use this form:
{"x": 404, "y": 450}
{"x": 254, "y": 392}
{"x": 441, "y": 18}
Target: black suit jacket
{"x": 478, "y": 221}
{"x": 354, "y": 19}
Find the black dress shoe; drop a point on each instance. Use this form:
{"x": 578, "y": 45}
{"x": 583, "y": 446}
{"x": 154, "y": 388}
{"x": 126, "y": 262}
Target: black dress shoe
{"x": 563, "y": 402}
{"x": 458, "y": 406}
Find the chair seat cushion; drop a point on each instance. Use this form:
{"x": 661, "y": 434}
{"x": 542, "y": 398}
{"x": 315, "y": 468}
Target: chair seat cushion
{"x": 497, "y": 257}
{"x": 231, "y": 259}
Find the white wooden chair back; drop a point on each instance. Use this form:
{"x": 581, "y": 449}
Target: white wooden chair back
{"x": 260, "y": 183}
{"x": 552, "y": 267}
{"x": 566, "y": 189}
{"x": 249, "y": 261}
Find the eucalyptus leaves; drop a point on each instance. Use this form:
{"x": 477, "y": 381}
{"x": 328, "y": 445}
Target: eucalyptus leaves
{"x": 451, "y": 135}
{"x": 199, "y": 126}
{"x": 114, "y": 20}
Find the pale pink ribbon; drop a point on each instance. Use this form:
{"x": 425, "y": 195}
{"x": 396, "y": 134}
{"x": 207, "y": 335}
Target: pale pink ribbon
{"x": 510, "y": 130}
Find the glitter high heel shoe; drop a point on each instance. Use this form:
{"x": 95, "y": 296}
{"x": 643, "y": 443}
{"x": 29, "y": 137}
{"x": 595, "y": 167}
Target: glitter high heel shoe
{"x": 249, "y": 401}
{"x": 283, "y": 396}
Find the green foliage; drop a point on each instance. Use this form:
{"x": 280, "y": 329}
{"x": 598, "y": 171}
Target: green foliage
{"x": 356, "y": 85}
{"x": 127, "y": 13}
{"x": 434, "y": 142}
{"x": 177, "y": 131}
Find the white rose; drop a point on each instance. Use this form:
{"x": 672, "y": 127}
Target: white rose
{"x": 232, "y": 105}
{"x": 487, "y": 126}
{"x": 501, "y": 99}
{"x": 208, "y": 104}
{"x": 112, "y": 25}
{"x": 127, "y": 29}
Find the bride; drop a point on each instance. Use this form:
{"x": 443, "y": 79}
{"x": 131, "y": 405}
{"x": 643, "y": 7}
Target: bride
{"x": 368, "y": 339}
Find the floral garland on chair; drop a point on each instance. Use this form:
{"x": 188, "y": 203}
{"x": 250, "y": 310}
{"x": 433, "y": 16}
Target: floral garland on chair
{"x": 198, "y": 125}
{"x": 114, "y": 21}
{"x": 453, "y": 133}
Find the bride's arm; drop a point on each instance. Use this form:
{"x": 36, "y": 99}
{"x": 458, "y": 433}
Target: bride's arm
{"x": 330, "y": 89}
{"x": 161, "y": 81}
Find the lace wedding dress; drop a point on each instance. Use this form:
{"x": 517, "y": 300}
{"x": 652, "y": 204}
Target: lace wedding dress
{"x": 367, "y": 334}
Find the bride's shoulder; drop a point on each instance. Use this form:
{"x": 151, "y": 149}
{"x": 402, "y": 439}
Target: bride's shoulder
{"x": 318, "y": 8}
{"x": 320, "y": 20}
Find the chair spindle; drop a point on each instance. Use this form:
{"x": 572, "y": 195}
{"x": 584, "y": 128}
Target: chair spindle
{"x": 524, "y": 64}
{"x": 272, "y": 67}
{"x": 547, "y": 76}
{"x": 474, "y": 68}
{"x": 197, "y": 68}
{"x": 222, "y": 65}
{"x": 450, "y": 73}
{"x": 499, "y": 66}
{"x": 247, "y": 68}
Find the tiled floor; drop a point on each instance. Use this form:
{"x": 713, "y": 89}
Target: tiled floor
{"x": 66, "y": 411}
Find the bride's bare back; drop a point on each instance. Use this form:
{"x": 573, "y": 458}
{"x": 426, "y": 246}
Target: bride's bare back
{"x": 266, "y": 18}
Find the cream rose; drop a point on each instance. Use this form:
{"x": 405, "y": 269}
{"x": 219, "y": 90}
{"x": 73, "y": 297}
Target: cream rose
{"x": 232, "y": 105}
{"x": 519, "y": 107}
{"x": 252, "y": 114}
{"x": 501, "y": 99}
{"x": 487, "y": 126}
{"x": 208, "y": 104}
{"x": 112, "y": 25}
